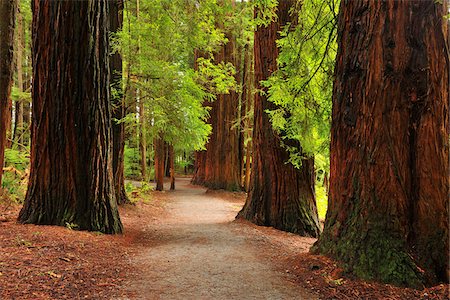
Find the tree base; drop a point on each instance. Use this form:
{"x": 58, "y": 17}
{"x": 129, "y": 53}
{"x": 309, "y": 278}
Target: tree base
{"x": 372, "y": 255}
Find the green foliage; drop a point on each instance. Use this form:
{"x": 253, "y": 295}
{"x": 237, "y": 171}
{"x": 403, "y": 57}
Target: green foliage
{"x": 17, "y": 159}
{"x": 215, "y": 78}
{"x": 157, "y": 45}
{"x": 15, "y": 177}
{"x": 131, "y": 163}
{"x": 302, "y": 87}
{"x": 17, "y": 95}
{"x": 266, "y": 11}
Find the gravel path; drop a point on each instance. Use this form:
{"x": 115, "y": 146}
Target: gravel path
{"x": 197, "y": 251}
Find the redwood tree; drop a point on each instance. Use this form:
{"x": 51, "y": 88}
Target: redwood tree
{"x": 223, "y": 156}
{"x": 7, "y": 22}
{"x": 71, "y": 179}
{"x": 281, "y": 195}
{"x": 388, "y": 212}
{"x": 159, "y": 149}
{"x": 119, "y": 108}
{"x": 221, "y": 162}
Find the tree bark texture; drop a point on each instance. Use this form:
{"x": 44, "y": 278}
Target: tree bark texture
{"x": 280, "y": 195}
{"x": 71, "y": 180}
{"x": 7, "y": 24}
{"x": 119, "y": 109}
{"x": 167, "y": 159}
{"x": 159, "y": 150}
{"x": 388, "y": 212}
{"x": 223, "y": 151}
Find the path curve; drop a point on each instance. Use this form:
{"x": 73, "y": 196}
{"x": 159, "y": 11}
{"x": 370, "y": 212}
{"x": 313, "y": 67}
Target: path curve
{"x": 198, "y": 251}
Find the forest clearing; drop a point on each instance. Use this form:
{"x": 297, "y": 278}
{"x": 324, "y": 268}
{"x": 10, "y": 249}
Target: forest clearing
{"x": 224, "y": 149}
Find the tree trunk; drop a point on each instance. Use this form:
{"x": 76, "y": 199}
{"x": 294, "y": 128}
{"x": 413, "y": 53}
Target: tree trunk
{"x": 388, "y": 211}
{"x": 7, "y": 23}
{"x": 280, "y": 195}
{"x": 172, "y": 167}
{"x": 18, "y": 124}
{"x": 223, "y": 155}
{"x": 71, "y": 178}
{"x": 167, "y": 159}
{"x": 199, "y": 168}
{"x": 248, "y": 87}
{"x": 142, "y": 140}
{"x": 159, "y": 163}
{"x": 185, "y": 163}
{"x": 118, "y": 112}
{"x": 142, "y": 119}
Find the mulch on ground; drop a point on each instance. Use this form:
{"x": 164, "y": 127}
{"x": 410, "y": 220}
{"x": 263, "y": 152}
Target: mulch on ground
{"x": 48, "y": 262}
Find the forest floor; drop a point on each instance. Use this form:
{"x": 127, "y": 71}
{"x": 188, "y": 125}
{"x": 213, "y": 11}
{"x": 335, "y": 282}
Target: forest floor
{"x": 184, "y": 244}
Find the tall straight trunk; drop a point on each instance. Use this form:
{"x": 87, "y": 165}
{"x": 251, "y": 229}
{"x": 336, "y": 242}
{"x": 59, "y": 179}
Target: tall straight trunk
{"x": 280, "y": 195}
{"x": 71, "y": 178}
{"x": 185, "y": 160}
{"x": 142, "y": 119}
{"x": 18, "y": 124}
{"x": 223, "y": 154}
{"x": 388, "y": 212}
{"x": 142, "y": 139}
{"x": 167, "y": 159}
{"x": 172, "y": 167}
{"x": 199, "y": 168}
{"x": 158, "y": 145}
{"x": 7, "y": 23}
{"x": 248, "y": 97}
{"x": 118, "y": 112}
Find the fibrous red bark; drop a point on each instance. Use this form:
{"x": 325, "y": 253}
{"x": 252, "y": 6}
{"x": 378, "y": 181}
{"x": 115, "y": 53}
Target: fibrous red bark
{"x": 71, "y": 179}
{"x": 388, "y": 211}
{"x": 219, "y": 167}
{"x": 281, "y": 195}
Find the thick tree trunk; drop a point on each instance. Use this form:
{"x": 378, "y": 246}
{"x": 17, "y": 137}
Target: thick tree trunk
{"x": 223, "y": 155}
{"x": 199, "y": 168}
{"x": 280, "y": 195}
{"x": 7, "y": 23}
{"x": 388, "y": 211}
{"x": 158, "y": 145}
{"x": 71, "y": 178}
{"x": 118, "y": 112}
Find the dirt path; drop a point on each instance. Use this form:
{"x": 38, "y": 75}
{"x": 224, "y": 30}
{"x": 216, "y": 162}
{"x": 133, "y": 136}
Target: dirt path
{"x": 200, "y": 253}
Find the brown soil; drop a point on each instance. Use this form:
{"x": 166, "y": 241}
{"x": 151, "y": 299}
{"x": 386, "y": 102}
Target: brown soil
{"x": 181, "y": 245}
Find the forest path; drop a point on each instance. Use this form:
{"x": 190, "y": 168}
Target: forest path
{"x": 195, "y": 250}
